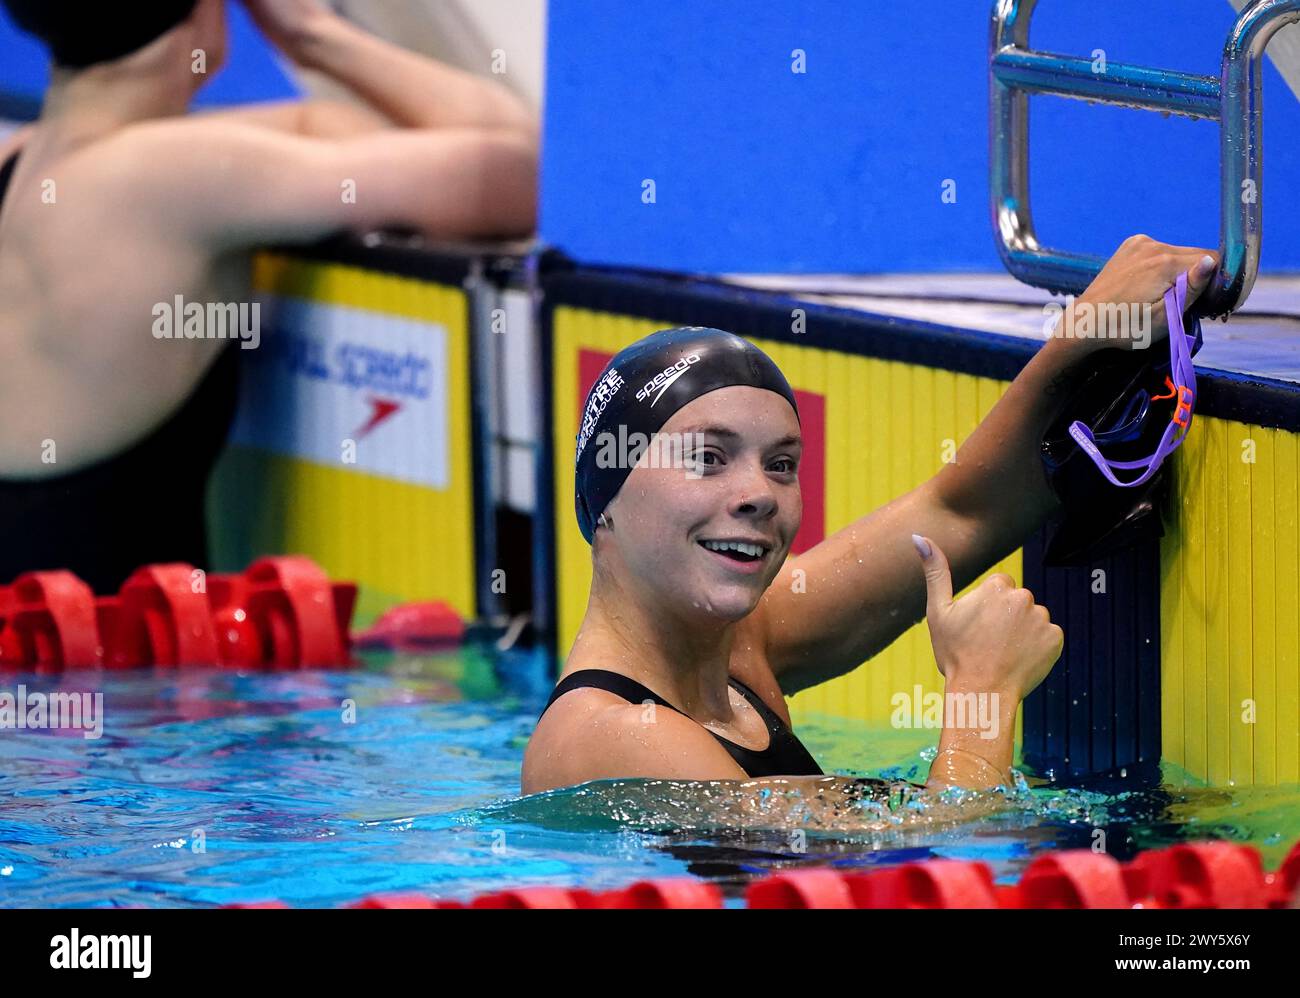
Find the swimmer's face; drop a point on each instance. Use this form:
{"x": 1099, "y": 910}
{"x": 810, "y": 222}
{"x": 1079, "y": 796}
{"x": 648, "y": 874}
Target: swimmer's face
{"x": 673, "y": 525}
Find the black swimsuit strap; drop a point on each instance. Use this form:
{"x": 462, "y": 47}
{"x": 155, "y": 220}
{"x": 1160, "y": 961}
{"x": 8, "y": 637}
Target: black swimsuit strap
{"x": 602, "y": 679}
{"x": 7, "y": 174}
{"x": 785, "y": 755}
{"x": 770, "y": 716}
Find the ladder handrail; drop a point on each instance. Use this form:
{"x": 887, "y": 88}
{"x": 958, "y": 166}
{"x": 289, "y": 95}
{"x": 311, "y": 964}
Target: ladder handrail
{"x": 1234, "y": 100}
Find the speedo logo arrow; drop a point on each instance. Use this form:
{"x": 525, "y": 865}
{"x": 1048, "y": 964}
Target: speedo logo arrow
{"x": 664, "y": 380}
{"x": 382, "y": 409}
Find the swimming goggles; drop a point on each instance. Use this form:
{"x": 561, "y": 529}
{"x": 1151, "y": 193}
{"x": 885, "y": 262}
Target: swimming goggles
{"x": 1180, "y": 393}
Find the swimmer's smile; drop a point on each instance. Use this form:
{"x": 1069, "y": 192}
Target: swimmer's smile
{"x": 740, "y": 555}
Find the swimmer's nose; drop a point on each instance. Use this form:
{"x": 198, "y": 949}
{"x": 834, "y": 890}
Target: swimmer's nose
{"x": 755, "y": 497}
{"x": 759, "y": 507}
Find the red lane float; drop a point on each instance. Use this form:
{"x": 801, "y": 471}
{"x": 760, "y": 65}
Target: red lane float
{"x": 669, "y": 893}
{"x": 399, "y": 900}
{"x": 1284, "y": 885}
{"x": 935, "y": 883}
{"x": 283, "y": 612}
{"x": 801, "y": 889}
{"x": 1200, "y": 875}
{"x": 50, "y": 623}
{"x": 534, "y": 897}
{"x": 677, "y": 892}
{"x": 301, "y": 618}
{"x": 1076, "y": 878}
{"x": 238, "y": 643}
{"x": 1193, "y": 875}
{"x": 257, "y": 904}
{"x": 414, "y": 627}
{"x": 162, "y": 617}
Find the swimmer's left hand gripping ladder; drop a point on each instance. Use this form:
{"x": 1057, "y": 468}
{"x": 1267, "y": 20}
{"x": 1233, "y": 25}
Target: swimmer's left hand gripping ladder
{"x": 1234, "y": 100}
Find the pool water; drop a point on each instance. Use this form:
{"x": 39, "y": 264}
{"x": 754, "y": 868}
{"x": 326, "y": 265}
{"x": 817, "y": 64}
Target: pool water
{"x": 210, "y": 787}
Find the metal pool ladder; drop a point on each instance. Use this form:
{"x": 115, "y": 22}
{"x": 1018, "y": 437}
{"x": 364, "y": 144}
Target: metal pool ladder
{"x": 1234, "y": 100}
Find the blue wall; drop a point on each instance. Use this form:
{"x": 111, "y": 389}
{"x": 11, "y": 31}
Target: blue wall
{"x": 251, "y": 73}
{"x": 841, "y": 168}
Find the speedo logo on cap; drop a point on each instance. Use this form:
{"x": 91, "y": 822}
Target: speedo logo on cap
{"x": 665, "y": 378}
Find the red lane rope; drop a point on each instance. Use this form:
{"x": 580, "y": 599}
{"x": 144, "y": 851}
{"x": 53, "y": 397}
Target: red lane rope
{"x": 281, "y": 613}
{"x": 1190, "y": 875}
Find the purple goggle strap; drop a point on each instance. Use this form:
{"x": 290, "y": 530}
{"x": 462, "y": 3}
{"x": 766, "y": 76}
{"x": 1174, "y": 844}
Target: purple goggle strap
{"x": 1183, "y": 377}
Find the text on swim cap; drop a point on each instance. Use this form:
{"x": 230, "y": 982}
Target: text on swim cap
{"x": 661, "y": 381}
{"x": 601, "y": 393}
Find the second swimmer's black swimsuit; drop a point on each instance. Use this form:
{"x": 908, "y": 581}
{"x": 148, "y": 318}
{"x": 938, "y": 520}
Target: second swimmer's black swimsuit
{"x": 785, "y": 755}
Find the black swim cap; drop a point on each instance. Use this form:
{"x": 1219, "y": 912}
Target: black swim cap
{"x": 645, "y": 384}
{"x": 82, "y": 34}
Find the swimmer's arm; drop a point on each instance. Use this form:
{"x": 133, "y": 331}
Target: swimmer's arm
{"x": 233, "y": 187}
{"x": 411, "y": 90}
{"x": 317, "y": 118}
{"x": 863, "y": 587}
{"x": 976, "y": 757}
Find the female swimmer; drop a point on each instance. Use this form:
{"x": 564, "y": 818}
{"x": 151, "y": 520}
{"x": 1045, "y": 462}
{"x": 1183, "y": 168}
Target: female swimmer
{"x": 696, "y": 631}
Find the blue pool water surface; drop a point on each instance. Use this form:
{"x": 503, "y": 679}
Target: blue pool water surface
{"x": 210, "y": 787}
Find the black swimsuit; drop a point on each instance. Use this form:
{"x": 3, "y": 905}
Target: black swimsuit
{"x": 142, "y": 506}
{"x": 784, "y": 755}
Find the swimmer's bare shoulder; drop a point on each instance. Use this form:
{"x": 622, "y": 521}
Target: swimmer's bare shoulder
{"x": 229, "y": 184}
{"x": 592, "y": 734}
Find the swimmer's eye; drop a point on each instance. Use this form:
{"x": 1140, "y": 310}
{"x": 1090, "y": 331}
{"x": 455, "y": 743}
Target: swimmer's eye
{"x": 705, "y": 458}
{"x": 711, "y": 457}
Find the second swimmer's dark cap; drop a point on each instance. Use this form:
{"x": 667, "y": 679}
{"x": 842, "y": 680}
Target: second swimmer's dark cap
{"x": 81, "y": 34}
{"x": 645, "y": 384}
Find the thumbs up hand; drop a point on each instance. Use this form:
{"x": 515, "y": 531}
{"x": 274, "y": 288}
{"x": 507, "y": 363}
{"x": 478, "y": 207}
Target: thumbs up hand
{"x": 993, "y": 638}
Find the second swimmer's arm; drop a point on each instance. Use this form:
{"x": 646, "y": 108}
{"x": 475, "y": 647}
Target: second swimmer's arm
{"x": 412, "y": 90}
